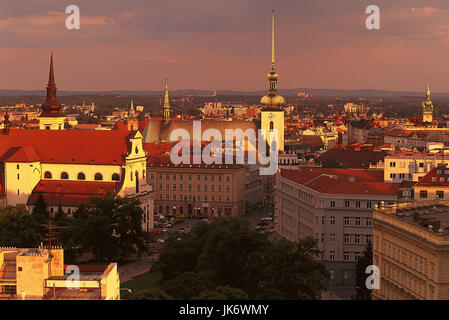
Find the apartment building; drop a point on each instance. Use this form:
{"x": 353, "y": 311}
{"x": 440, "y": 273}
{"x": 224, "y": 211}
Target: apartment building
{"x": 411, "y": 249}
{"x": 40, "y": 274}
{"x": 198, "y": 189}
{"x": 334, "y": 206}
{"x": 410, "y": 165}
{"x": 434, "y": 185}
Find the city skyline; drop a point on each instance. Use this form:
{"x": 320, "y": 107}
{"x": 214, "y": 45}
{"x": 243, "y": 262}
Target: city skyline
{"x": 134, "y": 46}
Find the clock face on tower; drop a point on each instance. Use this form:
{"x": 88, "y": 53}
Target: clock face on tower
{"x": 271, "y": 116}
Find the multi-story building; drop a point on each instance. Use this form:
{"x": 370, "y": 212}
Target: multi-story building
{"x": 434, "y": 185}
{"x": 197, "y": 189}
{"x": 36, "y": 274}
{"x": 334, "y": 206}
{"x": 411, "y": 250}
{"x": 410, "y": 165}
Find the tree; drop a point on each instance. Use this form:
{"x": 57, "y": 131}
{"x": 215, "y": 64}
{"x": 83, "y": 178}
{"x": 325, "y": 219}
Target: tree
{"x": 150, "y": 294}
{"x": 18, "y": 228}
{"x": 365, "y": 260}
{"x": 187, "y": 285}
{"x": 112, "y": 228}
{"x": 231, "y": 255}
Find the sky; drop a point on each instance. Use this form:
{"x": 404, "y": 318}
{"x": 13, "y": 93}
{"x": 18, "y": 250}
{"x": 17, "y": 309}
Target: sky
{"x": 224, "y": 44}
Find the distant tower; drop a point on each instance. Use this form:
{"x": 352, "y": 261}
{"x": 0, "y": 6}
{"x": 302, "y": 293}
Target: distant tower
{"x": 132, "y": 122}
{"x": 427, "y": 107}
{"x": 272, "y": 113}
{"x": 166, "y": 108}
{"x": 51, "y": 117}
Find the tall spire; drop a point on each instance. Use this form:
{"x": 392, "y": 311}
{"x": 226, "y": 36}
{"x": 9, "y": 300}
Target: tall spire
{"x": 131, "y": 110}
{"x": 428, "y": 89}
{"x": 166, "y": 109}
{"x": 272, "y": 39}
{"x": 51, "y": 107}
{"x": 272, "y": 100}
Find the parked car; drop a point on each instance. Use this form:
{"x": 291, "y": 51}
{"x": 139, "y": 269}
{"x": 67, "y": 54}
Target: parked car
{"x": 164, "y": 230}
{"x": 160, "y": 240}
{"x": 266, "y": 218}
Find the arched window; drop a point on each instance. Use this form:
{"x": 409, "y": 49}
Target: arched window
{"x": 115, "y": 177}
{"x": 81, "y": 176}
{"x": 47, "y": 175}
{"x": 271, "y": 125}
{"x": 64, "y": 175}
{"x": 98, "y": 176}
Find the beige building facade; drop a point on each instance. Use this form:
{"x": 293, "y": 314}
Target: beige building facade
{"x": 411, "y": 250}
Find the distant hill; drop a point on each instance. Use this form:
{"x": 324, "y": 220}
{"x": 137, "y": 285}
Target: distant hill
{"x": 366, "y": 93}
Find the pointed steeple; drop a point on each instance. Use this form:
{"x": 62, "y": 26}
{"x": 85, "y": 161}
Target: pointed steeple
{"x": 132, "y": 113}
{"x": 427, "y": 105}
{"x": 272, "y": 40}
{"x": 51, "y": 107}
{"x": 428, "y": 89}
{"x": 166, "y": 108}
{"x": 272, "y": 100}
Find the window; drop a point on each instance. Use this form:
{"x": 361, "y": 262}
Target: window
{"x": 167, "y": 176}
{"x": 167, "y": 186}
{"x": 332, "y": 220}
{"x": 434, "y": 179}
{"x": 357, "y": 239}
{"x": 115, "y": 177}
{"x": 346, "y": 256}
{"x": 160, "y": 175}
{"x": 174, "y": 187}
{"x": 368, "y": 222}
{"x": 81, "y": 176}
{"x": 322, "y": 237}
{"x": 228, "y": 178}
{"x": 198, "y": 188}
{"x": 356, "y": 256}
{"x": 357, "y": 221}
{"x": 423, "y": 193}
{"x": 18, "y": 166}
{"x": 190, "y": 187}
{"x": 332, "y": 255}
{"x": 357, "y": 204}
{"x": 346, "y": 221}
{"x": 440, "y": 194}
{"x": 332, "y": 204}
{"x": 392, "y": 175}
{"x": 18, "y": 176}
{"x": 47, "y": 175}
{"x": 347, "y": 204}
{"x": 198, "y": 177}
{"x": 332, "y": 238}
{"x": 181, "y": 187}
{"x": 181, "y": 177}
{"x": 205, "y": 177}
{"x": 64, "y": 175}
{"x": 98, "y": 176}
{"x": 369, "y": 205}
{"x": 190, "y": 177}
{"x": 219, "y": 178}
{"x": 346, "y": 238}
{"x": 421, "y": 164}
{"x": 392, "y": 164}
{"x": 322, "y": 219}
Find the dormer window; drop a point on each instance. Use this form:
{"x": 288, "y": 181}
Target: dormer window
{"x": 115, "y": 177}
{"x": 442, "y": 179}
{"x": 64, "y": 176}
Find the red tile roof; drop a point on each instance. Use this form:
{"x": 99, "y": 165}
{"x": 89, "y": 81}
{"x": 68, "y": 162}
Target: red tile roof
{"x": 70, "y": 193}
{"x": 342, "y": 181}
{"x": 65, "y": 146}
{"x": 441, "y": 179}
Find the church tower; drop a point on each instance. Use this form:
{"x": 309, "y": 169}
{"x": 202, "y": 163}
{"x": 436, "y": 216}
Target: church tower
{"x": 427, "y": 107}
{"x": 166, "y": 108}
{"x": 51, "y": 117}
{"x": 272, "y": 113}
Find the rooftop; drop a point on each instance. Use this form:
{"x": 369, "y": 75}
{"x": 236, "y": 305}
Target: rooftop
{"x": 428, "y": 220}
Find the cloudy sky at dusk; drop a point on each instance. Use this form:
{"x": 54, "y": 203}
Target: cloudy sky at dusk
{"x": 224, "y": 44}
